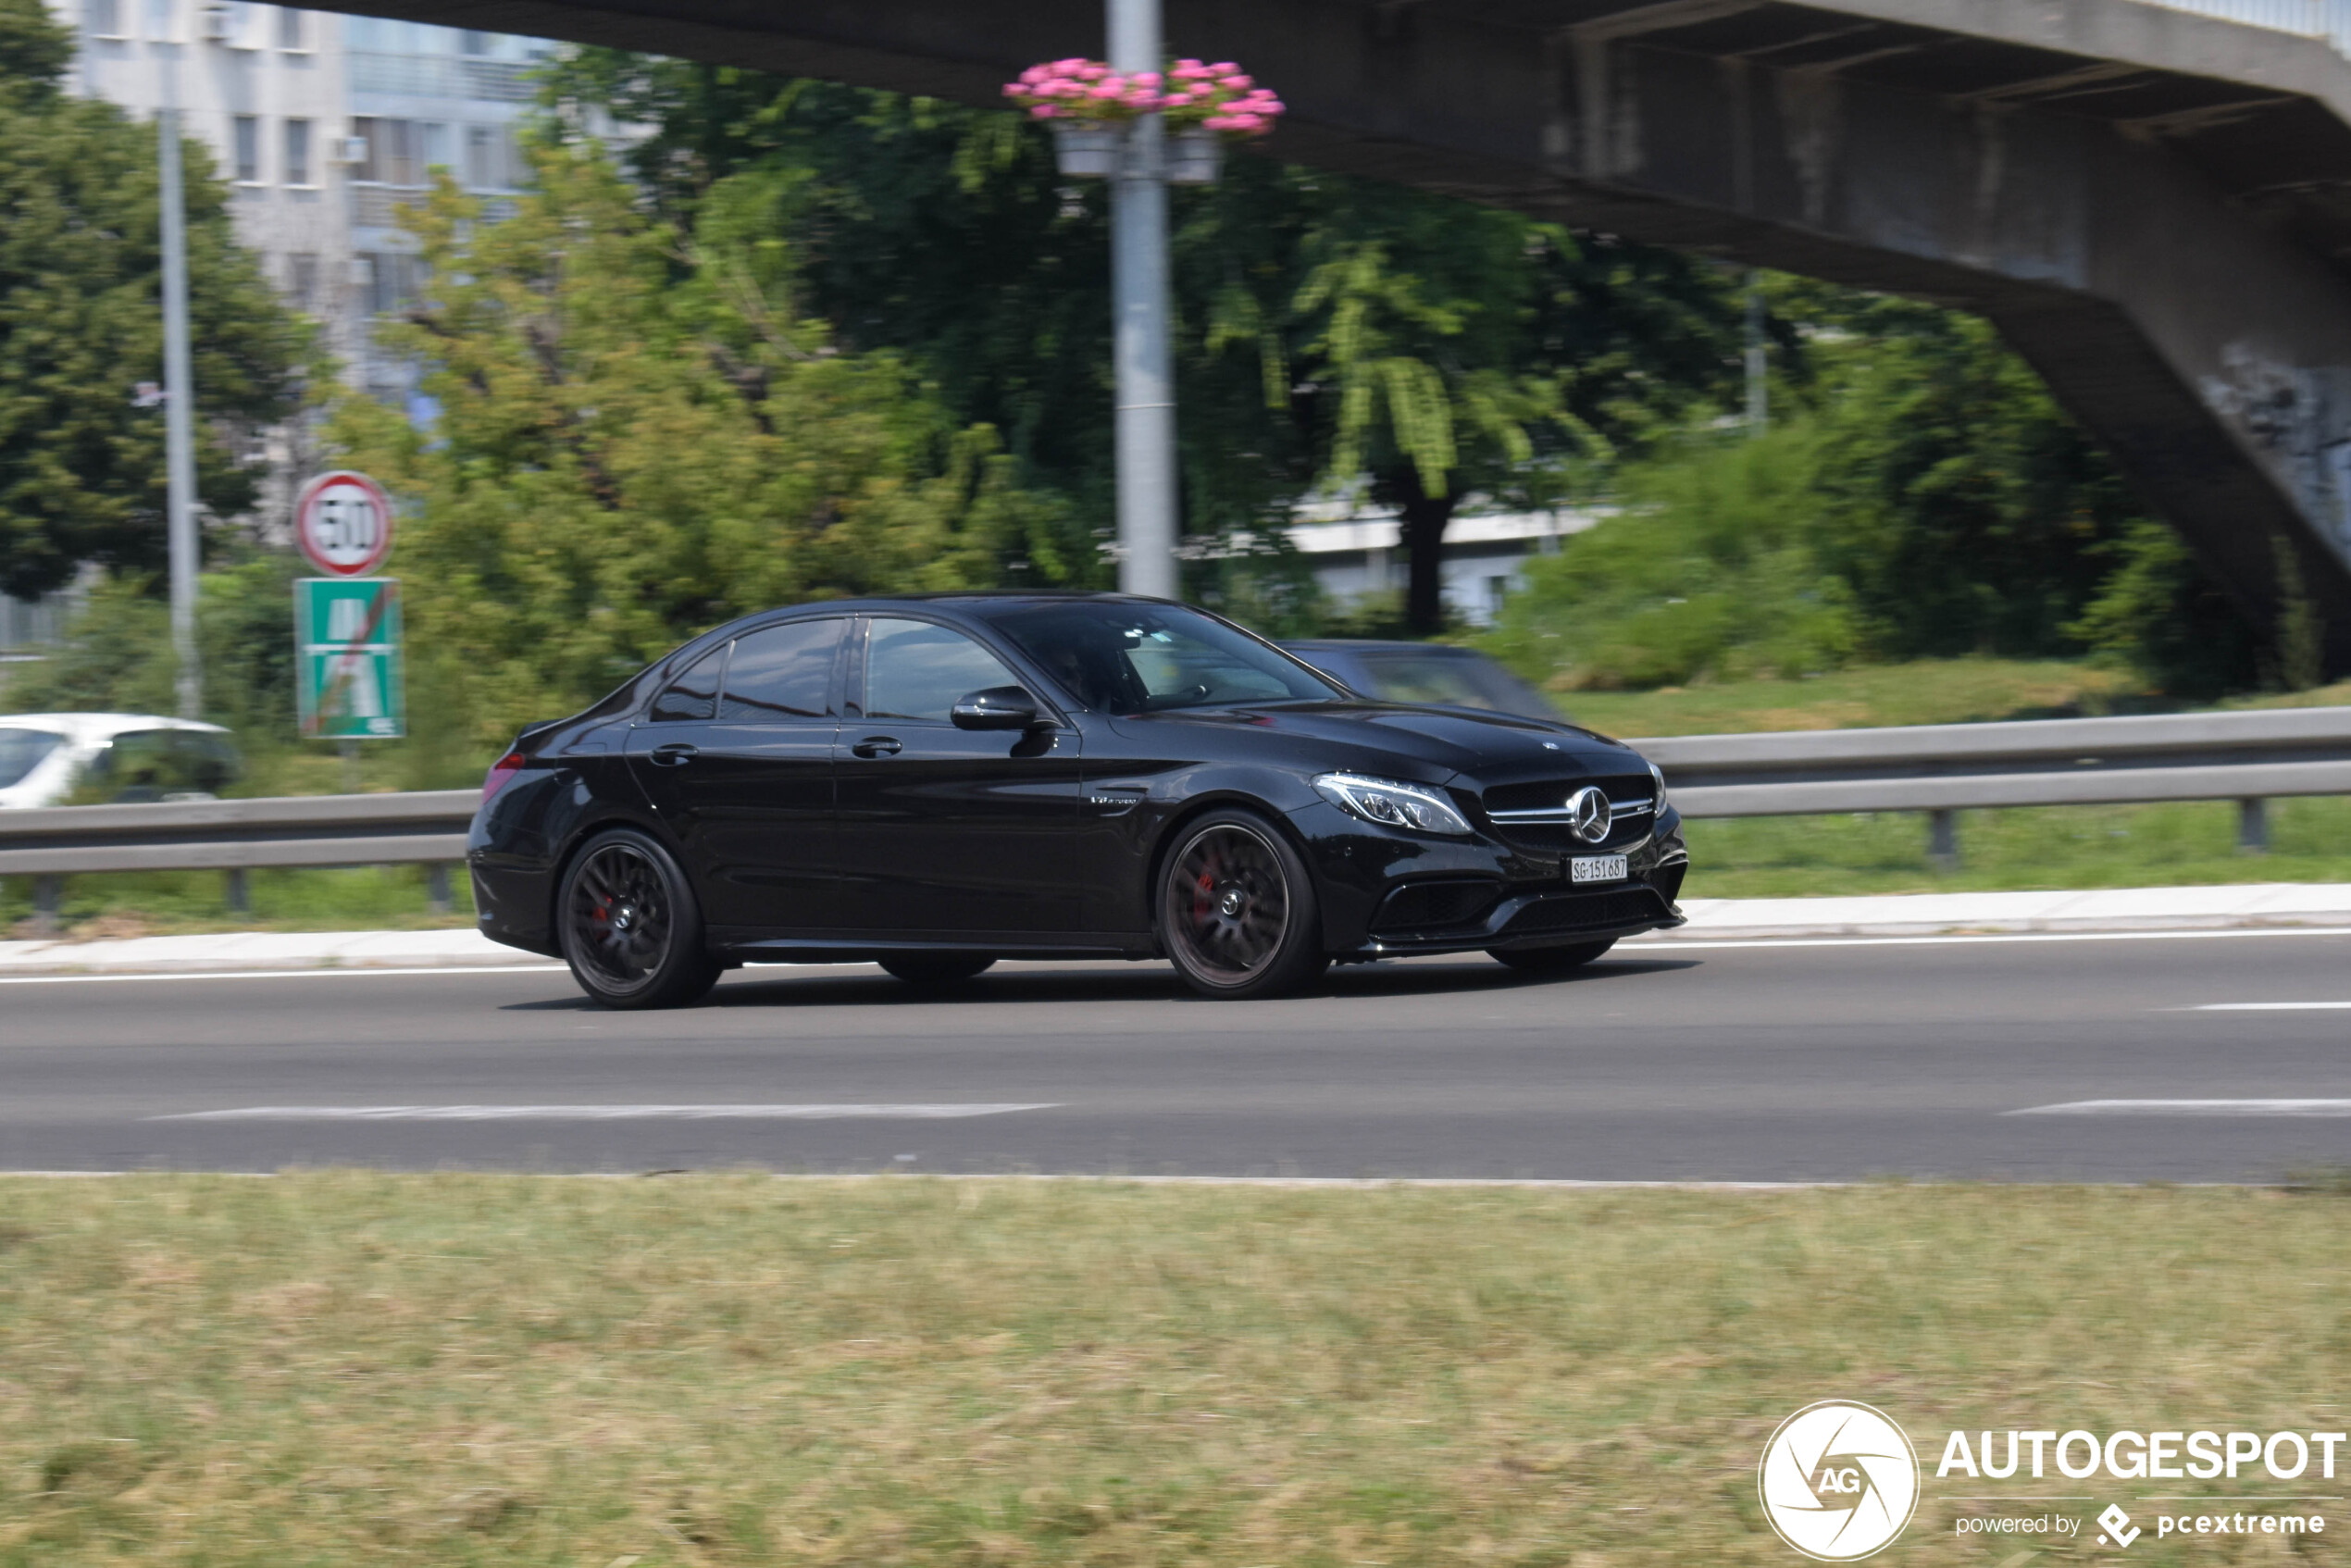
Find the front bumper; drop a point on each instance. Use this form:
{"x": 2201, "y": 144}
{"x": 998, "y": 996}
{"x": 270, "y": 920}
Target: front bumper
{"x": 1390, "y": 894}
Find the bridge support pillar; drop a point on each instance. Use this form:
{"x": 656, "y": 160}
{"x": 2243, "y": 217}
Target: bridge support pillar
{"x": 236, "y": 894}
{"x": 48, "y": 893}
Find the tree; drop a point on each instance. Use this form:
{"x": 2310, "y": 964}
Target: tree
{"x": 1447, "y": 349}
{"x": 1326, "y": 327}
{"x": 81, "y": 470}
{"x": 638, "y": 437}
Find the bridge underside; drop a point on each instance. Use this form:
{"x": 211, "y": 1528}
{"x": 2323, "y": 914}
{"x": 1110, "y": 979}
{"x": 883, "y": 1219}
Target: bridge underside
{"x": 2155, "y": 209}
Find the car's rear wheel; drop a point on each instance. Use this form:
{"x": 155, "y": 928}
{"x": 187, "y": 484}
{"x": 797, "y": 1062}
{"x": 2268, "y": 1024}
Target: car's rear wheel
{"x": 631, "y": 928}
{"x": 1550, "y": 960}
{"x": 935, "y": 971}
{"x": 1237, "y": 909}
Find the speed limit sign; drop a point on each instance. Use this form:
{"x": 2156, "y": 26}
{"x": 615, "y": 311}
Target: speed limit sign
{"x": 343, "y": 524}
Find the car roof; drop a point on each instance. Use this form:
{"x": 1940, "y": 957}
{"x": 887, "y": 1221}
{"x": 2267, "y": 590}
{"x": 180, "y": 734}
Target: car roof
{"x": 86, "y": 728}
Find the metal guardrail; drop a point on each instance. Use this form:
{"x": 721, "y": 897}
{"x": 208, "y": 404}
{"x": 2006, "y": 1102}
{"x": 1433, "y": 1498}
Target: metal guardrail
{"x": 423, "y": 826}
{"x": 1940, "y": 770}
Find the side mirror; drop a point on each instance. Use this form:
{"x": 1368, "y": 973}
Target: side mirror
{"x": 999, "y": 708}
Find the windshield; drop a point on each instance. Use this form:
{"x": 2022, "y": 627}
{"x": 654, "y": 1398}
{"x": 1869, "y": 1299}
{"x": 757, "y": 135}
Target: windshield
{"x": 21, "y": 750}
{"x": 1147, "y": 658}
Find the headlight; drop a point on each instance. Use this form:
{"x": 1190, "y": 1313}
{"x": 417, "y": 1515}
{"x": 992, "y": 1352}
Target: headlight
{"x": 1391, "y": 804}
{"x": 1657, "y": 807}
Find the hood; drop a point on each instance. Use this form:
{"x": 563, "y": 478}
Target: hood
{"x": 1443, "y": 741}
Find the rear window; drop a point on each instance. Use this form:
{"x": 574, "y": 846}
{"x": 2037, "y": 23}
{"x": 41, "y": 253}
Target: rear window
{"x": 21, "y": 750}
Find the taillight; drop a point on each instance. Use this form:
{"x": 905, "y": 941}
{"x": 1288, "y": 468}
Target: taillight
{"x": 506, "y": 767}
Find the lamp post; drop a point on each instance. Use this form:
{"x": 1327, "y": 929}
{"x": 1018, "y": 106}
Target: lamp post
{"x": 179, "y": 395}
{"x": 1145, "y": 387}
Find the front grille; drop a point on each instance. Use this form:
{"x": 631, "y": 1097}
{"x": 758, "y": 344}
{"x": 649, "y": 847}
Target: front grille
{"x": 1418, "y": 905}
{"x": 1631, "y": 796}
{"x": 1587, "y": 911}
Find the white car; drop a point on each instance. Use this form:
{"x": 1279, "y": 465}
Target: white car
{"x": 57, "y": 759}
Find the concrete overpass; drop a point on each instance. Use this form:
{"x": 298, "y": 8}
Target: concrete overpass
{"x": 2153, "y": 208}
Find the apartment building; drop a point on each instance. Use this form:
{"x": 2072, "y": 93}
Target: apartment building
{"x": 325, "y": 125}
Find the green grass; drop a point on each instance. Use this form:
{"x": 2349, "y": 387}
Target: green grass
{"x": 343, "y": 1368}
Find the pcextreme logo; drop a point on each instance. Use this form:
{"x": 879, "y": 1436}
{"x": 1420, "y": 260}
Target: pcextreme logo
{"x": 1838, "y": 1480}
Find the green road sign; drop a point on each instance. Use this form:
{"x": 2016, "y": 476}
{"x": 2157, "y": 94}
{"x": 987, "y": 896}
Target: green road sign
{"x": 347, "y": 678}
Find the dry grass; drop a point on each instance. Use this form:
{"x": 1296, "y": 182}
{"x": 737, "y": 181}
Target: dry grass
{"x": 355, "y": 1368}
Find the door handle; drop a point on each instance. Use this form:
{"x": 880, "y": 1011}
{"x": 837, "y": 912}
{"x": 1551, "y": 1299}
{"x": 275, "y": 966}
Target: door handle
{"x": 677, "y": 753}
{"x": 874, "y": 746}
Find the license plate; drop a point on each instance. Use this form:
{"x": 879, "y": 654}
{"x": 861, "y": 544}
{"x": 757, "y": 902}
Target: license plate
{"x": 1598, "y": 868}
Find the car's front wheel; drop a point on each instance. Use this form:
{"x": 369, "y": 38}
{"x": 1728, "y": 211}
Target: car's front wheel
{"x": 631, "y": 928}
{"x": 1550, "y": 960}
{"x": 1237, "y": 913}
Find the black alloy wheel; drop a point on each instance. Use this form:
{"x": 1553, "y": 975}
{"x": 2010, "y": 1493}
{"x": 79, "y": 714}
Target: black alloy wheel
{"x": 917, "y": 970}
{"x": 1550, "y": 960}
{"x": 629, "y": 926}
{"x": 1237, "y": 909}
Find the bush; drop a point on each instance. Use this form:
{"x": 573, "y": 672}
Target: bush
{"x": 1710, "y": 570}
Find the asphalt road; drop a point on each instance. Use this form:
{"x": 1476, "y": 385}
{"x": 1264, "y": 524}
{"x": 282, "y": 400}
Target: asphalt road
{"x": 1676, "y": 1060}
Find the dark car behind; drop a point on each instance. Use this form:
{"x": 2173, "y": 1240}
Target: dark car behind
{"x": 1431, "y": 674}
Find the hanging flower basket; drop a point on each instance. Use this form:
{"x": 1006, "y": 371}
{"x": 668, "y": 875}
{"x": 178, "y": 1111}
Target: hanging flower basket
{"x": 1221, "y": 99}
{"x": 1089, "y": 149}
{"x": 1088, "y": 106}
{"x": 1195, "y": 156}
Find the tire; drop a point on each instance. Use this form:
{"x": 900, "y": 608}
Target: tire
{"x": 629, "y": 926}
{"x": 934, "y": 972}
{"x": 1237, "y": 909}
{"x": 1550, "y": 960}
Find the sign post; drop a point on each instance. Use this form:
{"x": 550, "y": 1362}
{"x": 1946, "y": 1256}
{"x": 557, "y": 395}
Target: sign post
{"x": 348, "y": 683}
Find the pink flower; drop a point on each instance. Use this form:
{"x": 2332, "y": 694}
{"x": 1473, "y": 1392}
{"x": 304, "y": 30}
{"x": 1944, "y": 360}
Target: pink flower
{"x": 1073, "y": 63}
{"x": 1220, "y": 122}
{"x": 1090, "y": 71}
{"x": 1108, "y": 90}
{"x": 1273, "y": 106}
{"x": 1238, "y": 83}
{"x": 1014, "y": 90}
{"x": 1036, "y": 74}
{"x": 1175, "y": 100}
{"x": 1148, "y": 78}
{"x": 1043, "y": 111}
{"x": 1222, "y": 68}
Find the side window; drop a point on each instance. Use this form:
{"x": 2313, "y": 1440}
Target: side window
{"x": 693, "y": 695}
{"x": 916, "y": 671}
{"x": 782, "y": 672}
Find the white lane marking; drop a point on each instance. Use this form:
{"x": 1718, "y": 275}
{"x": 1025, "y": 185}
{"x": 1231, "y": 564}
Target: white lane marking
{"x": 287, "y": 974}
{"x": 811, "y": 1113}
{"x": 1699, "y": 944}
{"x": 2190, "y": 1108}
{"x": 2271, "y": 1007}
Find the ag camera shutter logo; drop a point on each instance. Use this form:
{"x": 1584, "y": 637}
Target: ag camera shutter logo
{"x": 1839, "y": 1481}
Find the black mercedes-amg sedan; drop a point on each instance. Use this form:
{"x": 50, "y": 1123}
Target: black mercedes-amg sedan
{"x": 938, "y": 782}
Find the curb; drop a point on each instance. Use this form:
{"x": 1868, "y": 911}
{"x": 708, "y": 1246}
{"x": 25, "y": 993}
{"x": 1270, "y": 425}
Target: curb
{"x": 2281, "y": 908}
